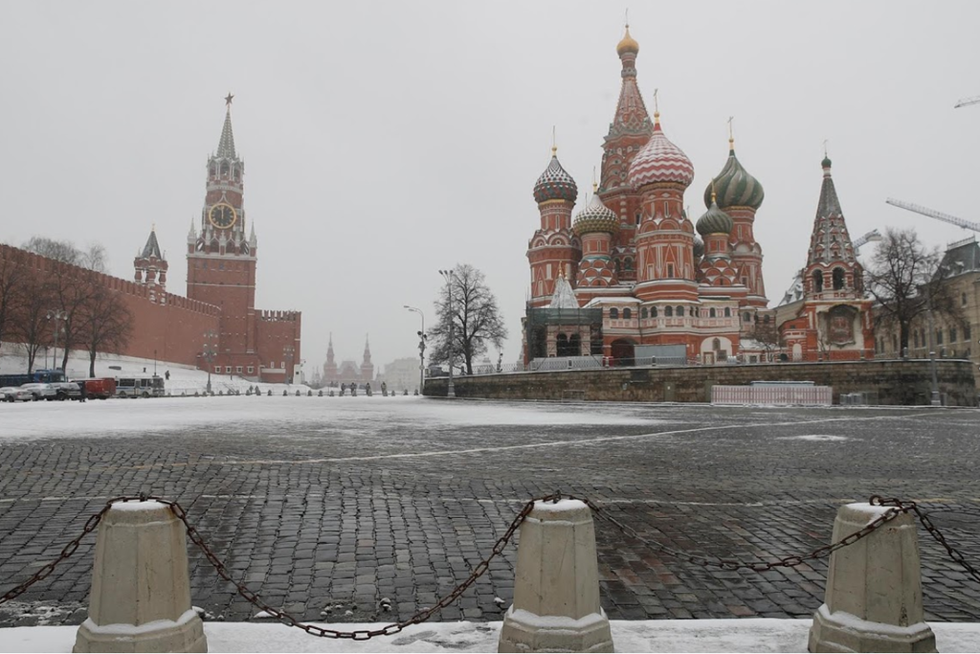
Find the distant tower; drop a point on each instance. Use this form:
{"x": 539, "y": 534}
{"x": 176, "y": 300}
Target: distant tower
{"x": 554, "y": 249}
{"x": 330, "y": 367}
{"x": 151, "y": 269}
{"x": 367, "y": 368}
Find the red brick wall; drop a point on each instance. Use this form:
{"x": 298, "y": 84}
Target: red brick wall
{"x": 169, "y": 330}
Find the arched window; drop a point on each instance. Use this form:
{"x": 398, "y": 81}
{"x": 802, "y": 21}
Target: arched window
{"x": 653, "y": 312}
{"x": 746, "y": 317}
{"x": 627, "y": 314}
{"x": 614, "y": 314}
{"x": 838, "y": 278}
{"x": 680, "y": 312}
{"x": 728, "y": 312}
{"x": 669, "y": 312}
{"x": 715, "y": 344}
{"x": 711, "y": 313}
{"x": 915, "y": 338}
{"x": 224, "y": 170}
{"x": 817, "y": 281}
{"x": 561, "y": 345}
{"x": 765, "y": 320}
{"x": 643, "y": 313}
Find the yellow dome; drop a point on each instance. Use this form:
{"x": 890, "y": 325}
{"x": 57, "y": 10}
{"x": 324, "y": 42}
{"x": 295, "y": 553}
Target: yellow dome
{"x": 628, "y": 44}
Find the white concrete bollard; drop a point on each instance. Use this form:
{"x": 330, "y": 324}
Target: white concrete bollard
{"x": 556, "y": 587}
{"x": 873, "y": 601}
{"x": 141, "y": 598}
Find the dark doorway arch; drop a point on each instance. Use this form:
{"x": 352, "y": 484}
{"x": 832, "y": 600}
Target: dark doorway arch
{"x": 622, "y": 352}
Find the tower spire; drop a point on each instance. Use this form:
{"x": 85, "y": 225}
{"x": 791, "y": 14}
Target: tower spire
{"x": 731, "y": 135}
{"x": 226, "y": 145}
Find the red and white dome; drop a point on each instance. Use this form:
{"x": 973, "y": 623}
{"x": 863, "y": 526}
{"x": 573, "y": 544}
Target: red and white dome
{"x": 660, "y": 161}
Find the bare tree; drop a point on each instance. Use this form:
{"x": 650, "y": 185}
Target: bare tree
{"x": 766, "y": 334}
{"x": 12, "y": 277}
{"x": 105, "y": 324}
{"x": 31, "y": 327}
{"x": 906, "y": 280}
{"x": 473, "y": 314}
{"x": 72, "y": 288}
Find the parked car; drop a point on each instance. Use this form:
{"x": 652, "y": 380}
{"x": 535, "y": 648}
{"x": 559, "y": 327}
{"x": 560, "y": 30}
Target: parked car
{"x": 16, "y": 394}
{"x": 41, "y": 391}
{"x": 67, "y": 390}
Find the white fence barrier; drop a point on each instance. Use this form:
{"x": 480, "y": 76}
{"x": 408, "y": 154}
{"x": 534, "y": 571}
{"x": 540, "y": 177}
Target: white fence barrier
{"x": 782, "y": 394}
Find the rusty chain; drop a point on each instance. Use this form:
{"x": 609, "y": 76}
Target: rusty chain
{"x": 67, "y": 551}
{"x": 897, "y": 507}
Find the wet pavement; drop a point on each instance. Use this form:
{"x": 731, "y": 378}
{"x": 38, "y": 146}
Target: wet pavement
{"x": 327, "y": 507}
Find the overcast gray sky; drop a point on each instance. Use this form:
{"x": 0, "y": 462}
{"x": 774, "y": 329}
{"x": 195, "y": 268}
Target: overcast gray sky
{"x": 386, "y": 140}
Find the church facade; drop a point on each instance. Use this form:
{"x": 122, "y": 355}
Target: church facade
{"x": 646, "y": 278}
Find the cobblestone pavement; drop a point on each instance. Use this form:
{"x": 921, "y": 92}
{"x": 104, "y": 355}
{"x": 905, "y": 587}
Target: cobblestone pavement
{"x": 327, "y": 506}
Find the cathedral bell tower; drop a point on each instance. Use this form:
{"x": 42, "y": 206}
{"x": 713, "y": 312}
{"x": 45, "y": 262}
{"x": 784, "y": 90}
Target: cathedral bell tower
{"x": 221, "y": 260}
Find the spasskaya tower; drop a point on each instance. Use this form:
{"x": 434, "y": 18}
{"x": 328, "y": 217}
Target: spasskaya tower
{"x": 221, "y": 264}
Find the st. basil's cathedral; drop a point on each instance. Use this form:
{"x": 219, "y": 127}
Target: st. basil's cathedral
{"x": 628, "y": 277}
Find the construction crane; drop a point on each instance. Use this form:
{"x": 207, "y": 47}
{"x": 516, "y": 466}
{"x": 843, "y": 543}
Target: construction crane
{"x": 966, "y": 102}
{"x": 932, "y": 213}
{"x": 873, "y": 235}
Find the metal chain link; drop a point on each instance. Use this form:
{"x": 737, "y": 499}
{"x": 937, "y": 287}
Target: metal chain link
{"x": 954, "y": 554}
{"x": 67, "y": 551}
{"x": 897, "y": 507}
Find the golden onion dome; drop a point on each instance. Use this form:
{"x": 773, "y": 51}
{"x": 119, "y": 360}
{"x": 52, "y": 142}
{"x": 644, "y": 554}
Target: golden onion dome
{"x": 628, "y": 44}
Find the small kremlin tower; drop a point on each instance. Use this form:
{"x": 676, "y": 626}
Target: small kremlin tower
{"x": 151, "y": 269}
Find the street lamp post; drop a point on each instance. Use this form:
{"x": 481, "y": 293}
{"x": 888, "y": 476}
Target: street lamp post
{"x": 208, "y": 350}
{"x": 422, "y": 338}
{"x": 56, "y": 316}
{"x": 936, "y": 401}
{"x": 288, "y": 352}
{"x": 449, "y": 276}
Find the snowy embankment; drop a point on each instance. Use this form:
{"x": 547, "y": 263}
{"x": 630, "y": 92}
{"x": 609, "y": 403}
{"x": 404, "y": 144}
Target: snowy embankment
{"x": 183, "y": 380}
{"x": 747, "y": 635}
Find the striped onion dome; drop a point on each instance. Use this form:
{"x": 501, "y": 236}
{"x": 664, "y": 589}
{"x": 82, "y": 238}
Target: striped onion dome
{"x": 555, "y": 183}
{"x": 714, "y": 221}
{"x": 734, "y": 186}
{"x": 660, "y": 161}
{"x": 596, "y": 217}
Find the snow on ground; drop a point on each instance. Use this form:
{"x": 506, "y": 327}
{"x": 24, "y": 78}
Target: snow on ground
{"x": 746, "y": 635}
{"x": 286, "y": 414}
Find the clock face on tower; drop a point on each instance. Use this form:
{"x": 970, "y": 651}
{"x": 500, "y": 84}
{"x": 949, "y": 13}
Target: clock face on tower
{"x": 222, "y": 215}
